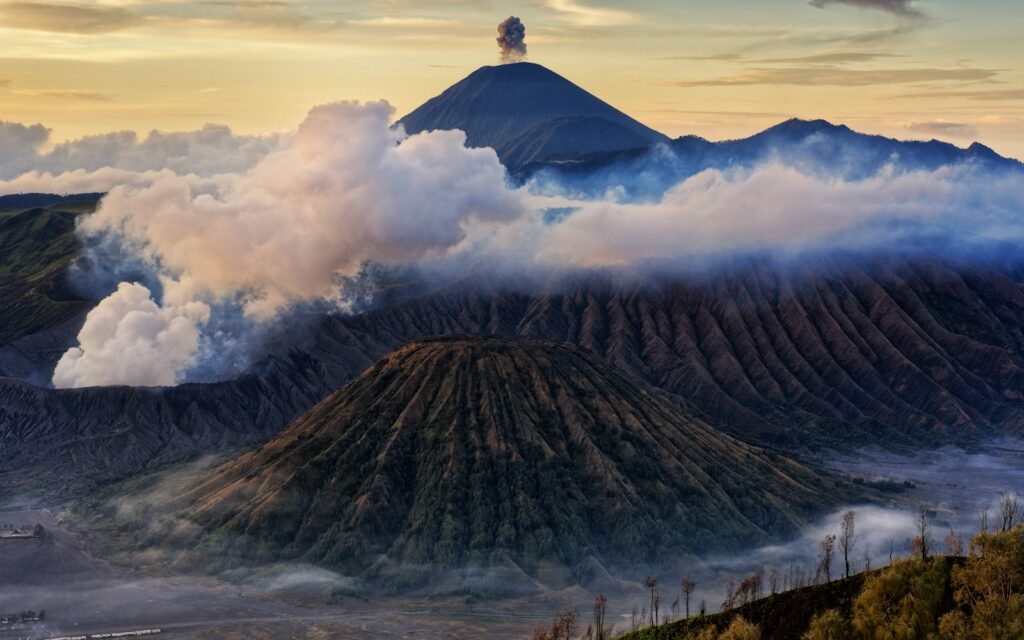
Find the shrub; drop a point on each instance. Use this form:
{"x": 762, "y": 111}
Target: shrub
{"x": 902, "y": 602}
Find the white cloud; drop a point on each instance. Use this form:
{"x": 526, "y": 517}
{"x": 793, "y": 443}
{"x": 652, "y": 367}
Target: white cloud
{"x": 780, "y": 209}
{"x": 208, "y": 151}
{"x": 588, "y": 16}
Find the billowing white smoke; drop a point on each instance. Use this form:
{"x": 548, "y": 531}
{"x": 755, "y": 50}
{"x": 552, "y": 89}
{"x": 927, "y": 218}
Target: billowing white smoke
{"x": 129, "y": 339}
{"x": 348, "y": 190}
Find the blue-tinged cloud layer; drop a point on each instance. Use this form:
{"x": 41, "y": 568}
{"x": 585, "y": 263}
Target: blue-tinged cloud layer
{"x": 816, "y": 148}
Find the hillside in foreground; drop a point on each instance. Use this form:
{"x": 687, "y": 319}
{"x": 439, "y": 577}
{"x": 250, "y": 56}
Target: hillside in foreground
{"x": 973, "y": 593}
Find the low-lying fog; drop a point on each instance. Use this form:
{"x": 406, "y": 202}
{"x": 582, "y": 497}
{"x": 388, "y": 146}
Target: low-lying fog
{"x": 955, "y": 485}
{"x": 81, "y": 593}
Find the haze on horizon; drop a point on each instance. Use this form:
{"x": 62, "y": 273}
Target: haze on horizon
{"x": 904, "y": 68}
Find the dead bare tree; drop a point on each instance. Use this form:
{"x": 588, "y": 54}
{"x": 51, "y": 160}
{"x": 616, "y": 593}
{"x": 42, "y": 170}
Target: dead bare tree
{"x": 923, "y": 525}
{"x": 651, "y": 583}
{"x": 1009, "y": 510}
{"x": 688, "y": 587}
{"x": 828, "y": 546}
{"x": 983, "y": 521}
{"x": 634, "y": 620}
{"x": 564, "y": 627}
{"x": 730, "y": 589}
{"x": 954, "y": 544}
{"x": 600, "y": 631}
{"x": 847, "y": 539}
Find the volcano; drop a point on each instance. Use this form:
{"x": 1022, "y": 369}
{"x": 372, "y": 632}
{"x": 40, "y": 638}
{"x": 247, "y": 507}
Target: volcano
{"x": 528, "y": 113}
{"x": 481, "y": 452}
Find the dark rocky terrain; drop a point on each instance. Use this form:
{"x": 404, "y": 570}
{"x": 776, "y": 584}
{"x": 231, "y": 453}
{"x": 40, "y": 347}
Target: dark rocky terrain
{"x": 38, "y": 246}
{"x": 527, "y": 113}
{"x": 534, "y": 458}
{"x": 839, "y": 354}
{"x": 69, "y": 441}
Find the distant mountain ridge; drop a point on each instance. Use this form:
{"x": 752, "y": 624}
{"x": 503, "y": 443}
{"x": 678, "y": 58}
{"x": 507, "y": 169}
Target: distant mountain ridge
{"x": 497, "y": 106}
{"x": 544, "y": 126}
{"x": 816, "y": 147}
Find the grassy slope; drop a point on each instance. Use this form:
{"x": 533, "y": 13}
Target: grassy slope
{"x": 36, "y": 248}
{"x": 784, "y": 616}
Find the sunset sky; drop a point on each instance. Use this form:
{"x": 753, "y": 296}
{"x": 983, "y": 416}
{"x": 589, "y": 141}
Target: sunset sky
{"x": 946, "y": 69}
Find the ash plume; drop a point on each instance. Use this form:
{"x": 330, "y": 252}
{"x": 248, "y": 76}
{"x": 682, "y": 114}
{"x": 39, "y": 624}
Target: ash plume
{"x": 512, "y": 39}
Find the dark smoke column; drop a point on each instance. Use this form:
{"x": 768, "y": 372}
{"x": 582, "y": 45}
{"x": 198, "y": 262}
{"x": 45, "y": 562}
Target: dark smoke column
{"x": 511, "y": 39}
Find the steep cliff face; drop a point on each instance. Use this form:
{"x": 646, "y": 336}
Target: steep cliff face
{"x": 836, "y": 353}
{"x": 61, "y": 442}
{"x": 39, "y": 311}
{"x": 474, "y": 451}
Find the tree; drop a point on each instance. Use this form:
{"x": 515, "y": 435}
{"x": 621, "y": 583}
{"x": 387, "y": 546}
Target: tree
{"x": 740, "y": 629}
{"x": 688, "y": 587}
{"x": 828, "y": 545}
{"x": 901, "y": 602}
{"x": 954, "y": 544}
{"x": 989, "y": 589}
{"x": 1009, "y": 510}
{"x": 828, "y": 625}
{"x": 564, "y": 627}
{"x": 600, "y": 630}
{"x": 923, "y": 526}
{"x": 847, "y": 532}
{"x": 651, "y": 583}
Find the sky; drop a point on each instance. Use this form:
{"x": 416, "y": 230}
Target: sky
{"x": 945, "y": 69}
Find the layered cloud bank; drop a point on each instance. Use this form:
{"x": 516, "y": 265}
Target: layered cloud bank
{"x": 211, "y": 150}
{"x": 289, "y": 220}
{"x": 779, "y": 209}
